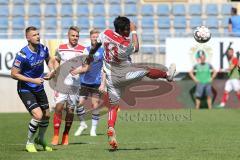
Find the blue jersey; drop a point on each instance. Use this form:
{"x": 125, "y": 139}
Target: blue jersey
{"x": 31, "y": 64}
{"x": 93, "y": 76}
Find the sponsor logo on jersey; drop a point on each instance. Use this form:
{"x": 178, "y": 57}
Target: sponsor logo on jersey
{"x": 17, "y": 63}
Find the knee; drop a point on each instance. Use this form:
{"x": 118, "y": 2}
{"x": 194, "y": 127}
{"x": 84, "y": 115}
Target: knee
{"x": 38, "y": 116}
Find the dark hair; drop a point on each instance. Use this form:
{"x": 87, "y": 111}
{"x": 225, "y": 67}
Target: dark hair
{"x": 234, "y": 10}
{"x": 120, "y": 23}
{"x": 200, "y": 53}
{"x": 30, "y": 28}
{"x": 230, "y": 49}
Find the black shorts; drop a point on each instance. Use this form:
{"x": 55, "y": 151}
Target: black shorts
{"x": 32, "y": 100}
{"x": 89, "y": 90}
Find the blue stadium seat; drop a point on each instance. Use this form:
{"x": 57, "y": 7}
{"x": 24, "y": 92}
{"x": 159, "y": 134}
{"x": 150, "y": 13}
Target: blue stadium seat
{"x": 147, "y": 10}
{"x": 130, "y": 1}
{"x": 4, "y": 23}
{"x": 34, "y": 10}
{"x": 4, "y": 11}
{"x": 211, "y": 9}
{"x": 50, "y": 23}
{"x": 50, "y": 11}
{"x": 195, "y": 9}
{"x": 195, "y": 22}
{"x": 224, "y": 22}
{"x": 212, "y": 24}
{"x": 18, "y": 2}
{"x": 18, "y": 11}
{"x": 164, "y": 22}
{"x": 134, "y": 19}
{"x": 82, "y": 2}
{"x": 82, "y": 10}
{"x": 34, "y": 21}
{"x": 35, "y": 2}
{"x": 98, "y": 1}
{"x": 83, "y": 23}
{"x": 66, "y": 2}
{"x": 163, "y": 34}
{"x": 99, "y": 23}
{"x": 163, "y": 10}
{"x": 114, "y": 10}
{"x": 148, "y": 38}
{"x": 179, "y": 22}
{"x": 179, "y": 10}
{"x": 66, "y": 22}
{"x": 17, "y": 34}
{"x": 4, "y": 2}
{"x": 130, "y": 10}
{"x": 54, "y": 2}
{"x": 148, "y": 50}
{"x": 148, "y": 23}
{"x": 226, "y": 9}
{"x": 114, "y": 1}
{"x": 98, "y": 10}
{"x": 66, "y": 10}
{"x": 18, "y": 23}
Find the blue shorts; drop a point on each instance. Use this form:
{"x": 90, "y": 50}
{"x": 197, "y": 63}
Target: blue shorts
{"x": 203, "y": 90}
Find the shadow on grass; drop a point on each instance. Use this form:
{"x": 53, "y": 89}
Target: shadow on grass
{"x": 139, "y": 149}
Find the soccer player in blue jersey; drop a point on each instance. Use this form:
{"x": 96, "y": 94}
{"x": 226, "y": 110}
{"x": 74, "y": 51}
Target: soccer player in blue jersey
{"x": 28, "y": 69}
{"x": 92, "y": 83}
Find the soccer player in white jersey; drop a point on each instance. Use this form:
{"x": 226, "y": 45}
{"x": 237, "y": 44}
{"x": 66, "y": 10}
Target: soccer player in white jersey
{"x": 118, "y": 46}
{"x": 92, "y": 84}
{"x": 68, "y": 55}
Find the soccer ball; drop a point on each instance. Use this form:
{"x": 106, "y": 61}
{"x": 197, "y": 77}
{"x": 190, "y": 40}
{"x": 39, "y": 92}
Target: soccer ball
{"x": 202, "y": 34}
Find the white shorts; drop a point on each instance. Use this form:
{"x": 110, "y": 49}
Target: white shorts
{"x": 117, "y": 83}
{"x": 232, "y": 84}
{"x": 71, "y": 100}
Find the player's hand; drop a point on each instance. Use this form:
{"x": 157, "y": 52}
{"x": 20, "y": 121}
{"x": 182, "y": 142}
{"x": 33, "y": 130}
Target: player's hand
{"x": 50, "y": 75}
{"x": 89, "y": 59}
{"x": 38, "y": 81}
{"x": 101, "y": 88}
{"x": 132, "y": 26}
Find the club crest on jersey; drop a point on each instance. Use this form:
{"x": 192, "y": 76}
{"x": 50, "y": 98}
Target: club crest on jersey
{"x": 17, "y": 63}
{"x": 41, "y": 54}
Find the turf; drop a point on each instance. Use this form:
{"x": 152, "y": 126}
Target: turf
{"x": 148, "y": 134}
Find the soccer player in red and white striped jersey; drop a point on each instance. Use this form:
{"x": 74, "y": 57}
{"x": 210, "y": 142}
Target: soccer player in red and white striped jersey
{"x": 67, "y": 56}
{"x": 118, "y": 46}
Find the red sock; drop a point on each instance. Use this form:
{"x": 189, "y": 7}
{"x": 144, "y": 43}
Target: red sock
{"x": 57, "y": 123}
{"x": 112, "y": 115}
{"x": 156, "y": 73}
{"x": 106, "y": 100}
{"x": 238, "y": 95}
{"x": 225, "y": 97}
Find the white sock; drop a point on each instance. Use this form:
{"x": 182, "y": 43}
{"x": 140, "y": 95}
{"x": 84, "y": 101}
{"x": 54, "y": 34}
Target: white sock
{"x": 81, "y": 113}
{"x": 32, "y": 128}
{"x": 95, "y": 118}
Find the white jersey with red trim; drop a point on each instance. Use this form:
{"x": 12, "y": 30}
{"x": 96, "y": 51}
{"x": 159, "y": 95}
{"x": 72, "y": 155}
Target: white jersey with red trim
{"x": 117, "y": 51}
{"x": 69, "y": 58}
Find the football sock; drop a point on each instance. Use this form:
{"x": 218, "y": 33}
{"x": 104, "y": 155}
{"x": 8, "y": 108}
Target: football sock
{"x": 32, "y": 128}
{"x": 81, "y": 113}
{"x": 57, "y": 119}
{"x": 225, "y": 97}
{"x": 112, "y": 115}
{"x": 95, "y": 117}
{"x": 42, "y": 128}
{"x": 238, "y": 96}
{"x": 68, "y": 122}
{"x": 156, "y": 73}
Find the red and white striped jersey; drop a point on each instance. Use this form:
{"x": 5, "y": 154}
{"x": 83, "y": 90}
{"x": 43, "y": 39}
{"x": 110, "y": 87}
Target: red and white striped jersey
{"x": 69, "y": 58}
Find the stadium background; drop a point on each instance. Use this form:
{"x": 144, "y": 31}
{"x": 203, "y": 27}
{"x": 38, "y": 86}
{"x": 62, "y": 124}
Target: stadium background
{"x": 157, "y": 21}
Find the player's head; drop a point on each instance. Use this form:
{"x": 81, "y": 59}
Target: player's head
{"x": 122, "y": 26}
{"x": 201, "y": 56}
{"x": 73, "y": 35}
{"x": 32, "y": 35}
{"x": 234, "y": 11}
{"x": 230, "y": 53}
{"x": 94, "y": 33}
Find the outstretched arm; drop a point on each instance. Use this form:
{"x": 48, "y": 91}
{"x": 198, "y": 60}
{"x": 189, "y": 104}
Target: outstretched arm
{"x": 134, "y": 37}
{"x": 92, "y": 51}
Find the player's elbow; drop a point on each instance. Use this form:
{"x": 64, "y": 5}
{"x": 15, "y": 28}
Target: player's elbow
{"x": 13, "y": 75}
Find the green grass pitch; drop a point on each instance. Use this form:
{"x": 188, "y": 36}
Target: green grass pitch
{"x": 142, "y": 134}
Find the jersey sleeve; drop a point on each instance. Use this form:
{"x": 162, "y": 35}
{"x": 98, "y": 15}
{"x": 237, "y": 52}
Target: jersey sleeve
{"x": 195, "y": 68}
{"x": 46, "y": 52}
{"x": 57, "y": 55}
{"x": 229, "y": 21}
{"x": 235, "y": 61}
{"x": 19, "y": 60}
